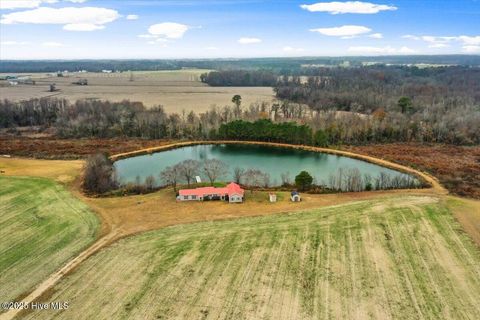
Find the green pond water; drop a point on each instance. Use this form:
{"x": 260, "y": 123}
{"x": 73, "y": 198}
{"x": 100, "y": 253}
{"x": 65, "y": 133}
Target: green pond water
{"x": 271, "y": 160}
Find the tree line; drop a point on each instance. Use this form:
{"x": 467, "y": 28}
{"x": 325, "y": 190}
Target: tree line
{"x": 102, "y": 119}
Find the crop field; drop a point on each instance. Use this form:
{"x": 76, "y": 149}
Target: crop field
{"x": 175, "y": 90}
{"x": 402, "y": 257}
{"x": 41, "y": 227}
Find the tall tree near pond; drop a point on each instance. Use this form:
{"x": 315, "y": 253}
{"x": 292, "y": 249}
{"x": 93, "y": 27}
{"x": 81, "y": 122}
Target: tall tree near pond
{"x": 237, "y": 100}
{"x": 214, "y": 169}
{"x": 303, "y": 181}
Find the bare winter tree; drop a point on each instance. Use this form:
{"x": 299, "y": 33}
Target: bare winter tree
{"x": 254, "y": 177}
{"x": 189, "y": 169}
{"x": 214, "y": 169}
{"x": 266, "y": 180}
{"x": 285, "y": 178}
{"x": 171, "y": 176}
{"x": 99, "y": 175}
{"x": 238, "y": 174}
{"x": 150, "y": 182}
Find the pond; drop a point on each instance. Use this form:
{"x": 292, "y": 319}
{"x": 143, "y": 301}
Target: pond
{"x": 327, "y": 169}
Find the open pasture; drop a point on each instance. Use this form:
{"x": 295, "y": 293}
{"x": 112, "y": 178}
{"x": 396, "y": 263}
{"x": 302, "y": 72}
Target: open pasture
{"x": 176, "y": 90}
{"x": 41, "y": 228}
{"x": 403, "y": 257}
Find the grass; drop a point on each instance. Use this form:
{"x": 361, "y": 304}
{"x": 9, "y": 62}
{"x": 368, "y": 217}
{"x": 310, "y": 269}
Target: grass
{"x": 41, "y": 227}
{"x": 403, "y": 257}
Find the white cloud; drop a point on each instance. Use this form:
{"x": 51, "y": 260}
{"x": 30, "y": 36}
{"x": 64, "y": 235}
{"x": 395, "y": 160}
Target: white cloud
{"x": 475, "y": 41}
{"x": 52, "y": 44}
{"x": 73, "y": 19}
{"x": 406, "y": 50}
{"x": 471, "y": 49}
{"x": 469, "y": 43}
{"x": 82, "y": 27}
{"x": 247, "y": 40}
{"x": 347, "y": 7}
{"x": 147, "y": 36}
{"x": 23, "y": 4}
{"x": 380, "y": 50}
{"x": 292, "y": 49}
{"x": 343, "y": 31}
{"x": 76, "y": 1}
{"x": 132, "y": 17}
{"x": 376, "y": 36}
{"x": 13, "y": 43}
{"x": 410, "y": 36}
{"x": 170, "y": 30}
{"x": 211, "y": 48}
{"x": 438, "y": 45}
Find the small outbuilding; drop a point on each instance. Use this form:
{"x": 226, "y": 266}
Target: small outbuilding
{"x": 295, "y": 196}
{"x": 273, "y": 197}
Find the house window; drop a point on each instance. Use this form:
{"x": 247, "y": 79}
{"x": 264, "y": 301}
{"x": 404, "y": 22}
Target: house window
{"x": 194, "y": 197}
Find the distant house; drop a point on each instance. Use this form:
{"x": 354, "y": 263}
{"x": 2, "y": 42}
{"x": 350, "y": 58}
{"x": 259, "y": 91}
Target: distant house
{"x": 295, "y": 196}
{"x": 231, "y": 193}
{"x": 272, "y": 197}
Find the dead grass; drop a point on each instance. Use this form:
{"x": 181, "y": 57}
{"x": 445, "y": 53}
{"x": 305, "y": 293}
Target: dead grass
{"x": 175, "y": 90}
{"x": 49, "y": 147}
{"x": 457, "y": 167}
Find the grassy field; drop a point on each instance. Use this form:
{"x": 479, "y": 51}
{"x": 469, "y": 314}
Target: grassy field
{"x": 41, "y": 227}
{"x": 175, "y": 90}
{"x": 404, "y": 257}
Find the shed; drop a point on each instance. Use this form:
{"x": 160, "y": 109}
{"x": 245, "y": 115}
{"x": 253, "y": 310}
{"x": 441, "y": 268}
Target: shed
{"x": 273, "y": 197}
{"x": 295, "y": 196}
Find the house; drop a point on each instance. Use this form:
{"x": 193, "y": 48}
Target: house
{"x": 273, "y": 197}
{"x": 295, "y": 196}
{"x": 231, "y": 193}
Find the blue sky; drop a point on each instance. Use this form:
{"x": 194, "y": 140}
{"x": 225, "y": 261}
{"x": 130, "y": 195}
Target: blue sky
{"x": 89, "y": 29}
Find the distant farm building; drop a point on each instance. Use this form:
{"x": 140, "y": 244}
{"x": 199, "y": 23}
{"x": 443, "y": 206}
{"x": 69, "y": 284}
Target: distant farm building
{"x": 232, "y": 193}
{"x": 81, "y": 82}
{"x": 295, "y": 196}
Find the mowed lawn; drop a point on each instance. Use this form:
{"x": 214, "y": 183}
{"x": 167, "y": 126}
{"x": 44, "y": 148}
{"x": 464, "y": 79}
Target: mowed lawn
{"x": 41, "y": 227}
{"x": 403, "y": 257}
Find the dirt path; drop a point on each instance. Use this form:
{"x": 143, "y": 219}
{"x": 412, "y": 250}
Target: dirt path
{"x": 57, "y": 276}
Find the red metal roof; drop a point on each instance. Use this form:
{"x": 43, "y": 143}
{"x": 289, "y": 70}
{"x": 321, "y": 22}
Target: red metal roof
{"x": 230, "y": 189}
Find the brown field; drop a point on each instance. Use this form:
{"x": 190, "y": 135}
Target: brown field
{"x": 175, "y": 90}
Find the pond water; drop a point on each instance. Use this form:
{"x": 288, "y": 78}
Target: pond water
{"x": 268, "y": 159}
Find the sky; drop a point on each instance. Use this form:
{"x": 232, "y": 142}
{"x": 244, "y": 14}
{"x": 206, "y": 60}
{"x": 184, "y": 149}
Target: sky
{"x": 166, "y": 29}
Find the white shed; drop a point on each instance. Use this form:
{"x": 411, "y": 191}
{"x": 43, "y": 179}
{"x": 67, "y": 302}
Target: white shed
{"x": 295, "y": 196}
{"x": 273, "y": 197}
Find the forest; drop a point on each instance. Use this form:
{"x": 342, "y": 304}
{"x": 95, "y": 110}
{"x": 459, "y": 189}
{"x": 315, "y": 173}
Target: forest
{"x": 324, "y": 107}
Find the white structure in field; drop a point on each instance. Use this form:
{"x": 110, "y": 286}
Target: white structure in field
{"x": 273, "y": 197}
{"x": 232, "y": 193}
{"x": 295, "y": 197}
